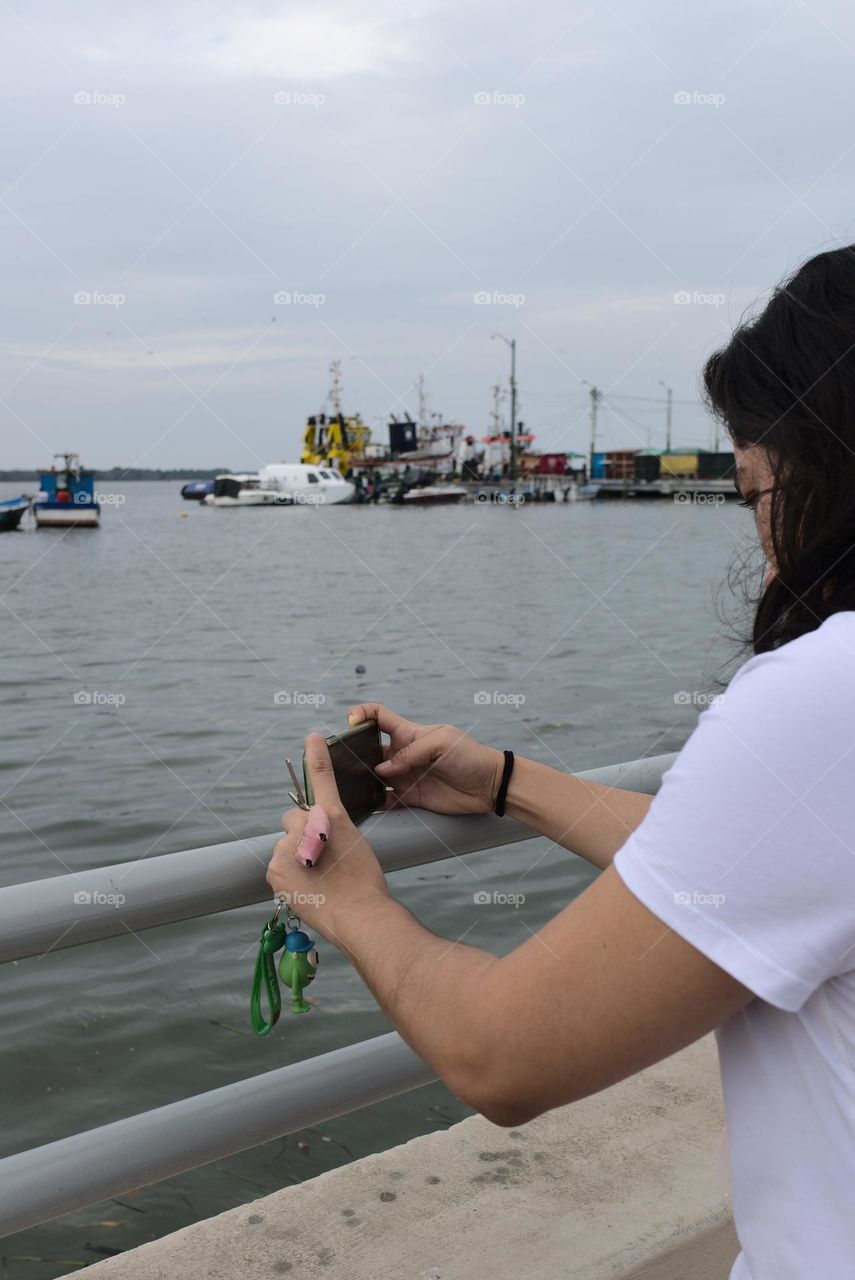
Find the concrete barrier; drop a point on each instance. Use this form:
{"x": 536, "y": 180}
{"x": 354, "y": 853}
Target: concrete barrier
{"x": 629, "y": 1184}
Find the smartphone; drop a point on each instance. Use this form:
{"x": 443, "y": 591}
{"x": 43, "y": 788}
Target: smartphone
{"x": 355, "y": 755}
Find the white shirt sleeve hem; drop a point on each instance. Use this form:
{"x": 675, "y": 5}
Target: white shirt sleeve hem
{"x": 699, "y": 926}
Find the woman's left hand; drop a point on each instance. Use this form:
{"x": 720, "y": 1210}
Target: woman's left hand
{"x": 348, "y": 878}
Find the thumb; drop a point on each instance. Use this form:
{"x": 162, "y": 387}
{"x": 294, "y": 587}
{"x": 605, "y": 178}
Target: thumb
{"x": 320, "y": 771}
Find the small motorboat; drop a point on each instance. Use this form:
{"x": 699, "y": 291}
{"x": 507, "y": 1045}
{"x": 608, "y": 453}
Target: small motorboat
{"x": 245, "y": 490}
{"x": 66, "y": 498}
{"x": 433, "y": 494}
{"x": 11, "y": 512}
{"x": 197, "y": 490}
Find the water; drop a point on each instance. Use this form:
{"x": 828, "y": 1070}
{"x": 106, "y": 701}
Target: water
{"x": 579, "y": 624}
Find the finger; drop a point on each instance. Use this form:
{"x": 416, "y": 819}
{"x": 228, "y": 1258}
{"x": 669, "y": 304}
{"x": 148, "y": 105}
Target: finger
{"x": 415, "y": 755}
{"x": 321, "y": 773}
{"x": 294, "y": 820}
{"x": 389, "y": 721}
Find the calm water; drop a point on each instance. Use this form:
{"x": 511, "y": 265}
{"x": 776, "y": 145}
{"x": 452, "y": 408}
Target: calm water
{"x": 585, "y": 620}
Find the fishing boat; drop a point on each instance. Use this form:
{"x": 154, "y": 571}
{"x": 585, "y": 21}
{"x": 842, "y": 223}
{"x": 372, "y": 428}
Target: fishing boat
{"x": 66, "y": 498}
{"x": 11, "y": 512}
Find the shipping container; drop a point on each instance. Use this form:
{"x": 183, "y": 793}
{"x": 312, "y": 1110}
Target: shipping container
{"x": 647, "y": 467}
{"x": 620, "y": 464}
{"x": 716, "y": 466}
{"x": 679, "y": 464}
{"x": 598, "y": 466}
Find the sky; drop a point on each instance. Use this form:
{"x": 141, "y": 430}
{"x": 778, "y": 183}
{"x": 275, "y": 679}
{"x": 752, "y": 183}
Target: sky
{"x": 203, "y": 206}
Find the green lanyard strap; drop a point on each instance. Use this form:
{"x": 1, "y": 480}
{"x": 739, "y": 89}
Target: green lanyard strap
{"x": 272, "y": 938}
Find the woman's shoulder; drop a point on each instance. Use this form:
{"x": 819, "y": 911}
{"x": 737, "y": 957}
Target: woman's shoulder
{"x": 819, "y": 663}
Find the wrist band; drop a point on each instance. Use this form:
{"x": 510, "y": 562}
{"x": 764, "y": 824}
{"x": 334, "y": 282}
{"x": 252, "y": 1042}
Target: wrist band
{"x": 502, "y": 793}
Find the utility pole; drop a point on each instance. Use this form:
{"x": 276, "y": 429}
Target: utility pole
{"x": 496, "y": 416}
{"x": 596, "y": 397}
{"x": 669, "y": 398}
{"x": 512, "y": 343}
{"x": 423, "y": 411}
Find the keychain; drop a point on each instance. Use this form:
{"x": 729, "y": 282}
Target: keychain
{"x": 299, "y": 960}
{"x": 297, "y": 967}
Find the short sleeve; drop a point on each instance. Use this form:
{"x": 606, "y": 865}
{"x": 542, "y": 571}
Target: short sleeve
{"x": 748, "y": 850}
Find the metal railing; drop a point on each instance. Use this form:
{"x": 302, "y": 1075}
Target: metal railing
{"x": 66, "y": 911}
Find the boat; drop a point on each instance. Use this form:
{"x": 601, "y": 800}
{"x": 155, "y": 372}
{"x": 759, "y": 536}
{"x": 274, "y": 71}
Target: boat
{"x": 11, "y": 511}
{"x": 197, "y": 490}
{"x": 282, "y": 484}
{"x": 66, "y": 498}
{"x": 433, "y": 494}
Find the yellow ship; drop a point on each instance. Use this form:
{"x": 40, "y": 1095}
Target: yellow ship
{"x": 335, "y": 440}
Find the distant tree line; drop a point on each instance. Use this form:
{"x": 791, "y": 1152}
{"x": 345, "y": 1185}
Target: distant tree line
{"x": 120, "y": 474}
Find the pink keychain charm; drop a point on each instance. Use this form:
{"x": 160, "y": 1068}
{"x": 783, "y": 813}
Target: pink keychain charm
{"x": 316, "y": 832}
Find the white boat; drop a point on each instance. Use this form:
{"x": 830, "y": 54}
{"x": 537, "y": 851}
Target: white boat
{"x": 281, "y": 484}
{"x": 430, "y": 494}
{"x": 324, "y": 486}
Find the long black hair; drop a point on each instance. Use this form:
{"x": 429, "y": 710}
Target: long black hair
{"x": 786, "y": 382}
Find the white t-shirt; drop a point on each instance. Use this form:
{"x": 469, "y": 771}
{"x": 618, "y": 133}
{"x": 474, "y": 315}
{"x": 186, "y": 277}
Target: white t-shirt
{"x": 748, "y": 852}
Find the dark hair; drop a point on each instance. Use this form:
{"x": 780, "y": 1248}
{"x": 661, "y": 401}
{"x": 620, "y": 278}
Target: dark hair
{"x": 786, "y": 382}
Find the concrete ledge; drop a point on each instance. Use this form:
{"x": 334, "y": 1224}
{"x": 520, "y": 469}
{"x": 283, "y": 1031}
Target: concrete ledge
{"x": 628, "y": 1184}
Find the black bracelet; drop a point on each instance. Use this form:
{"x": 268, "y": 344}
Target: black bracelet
{"x": 502, "y": 793}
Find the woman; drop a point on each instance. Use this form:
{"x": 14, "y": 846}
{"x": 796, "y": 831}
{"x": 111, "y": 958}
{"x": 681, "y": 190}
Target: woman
{"x": 728, "y": 902}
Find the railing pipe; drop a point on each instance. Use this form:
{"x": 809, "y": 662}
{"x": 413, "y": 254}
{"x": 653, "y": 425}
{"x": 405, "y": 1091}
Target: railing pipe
{"x": 66, "y": 911}
{"x": 117, "y": 1158}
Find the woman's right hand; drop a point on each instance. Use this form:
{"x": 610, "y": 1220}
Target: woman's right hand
{"x": 434, "y": 766}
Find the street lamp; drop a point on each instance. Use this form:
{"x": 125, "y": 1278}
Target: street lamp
{"x": 512, "y": 343}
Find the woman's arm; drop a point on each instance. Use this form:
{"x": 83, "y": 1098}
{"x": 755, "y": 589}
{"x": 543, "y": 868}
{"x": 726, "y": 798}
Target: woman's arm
{"x": 585, "y": 817}
{"x": 441, "y": 768}
{"x": 603, "y": 990}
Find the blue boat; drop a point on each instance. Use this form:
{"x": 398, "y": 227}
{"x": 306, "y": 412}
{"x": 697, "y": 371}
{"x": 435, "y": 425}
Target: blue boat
{"x": 66, "y": 499}
{"x": 11, "y": 511}
{"x": 197, "y": 490}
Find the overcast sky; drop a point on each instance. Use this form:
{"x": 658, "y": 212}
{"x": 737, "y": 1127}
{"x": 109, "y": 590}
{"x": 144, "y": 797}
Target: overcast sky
{"x": 583, "y": 167}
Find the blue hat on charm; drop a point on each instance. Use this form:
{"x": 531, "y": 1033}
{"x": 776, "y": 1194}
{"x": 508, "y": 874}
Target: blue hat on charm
{"x": 297, "y": 940}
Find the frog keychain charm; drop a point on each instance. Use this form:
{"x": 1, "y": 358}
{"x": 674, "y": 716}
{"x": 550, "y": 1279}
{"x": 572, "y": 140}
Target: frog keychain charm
{"x": 297, "y": 967}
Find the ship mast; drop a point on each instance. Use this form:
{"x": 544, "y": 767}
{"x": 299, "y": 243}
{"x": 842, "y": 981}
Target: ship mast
{"x": 335, "y": 387}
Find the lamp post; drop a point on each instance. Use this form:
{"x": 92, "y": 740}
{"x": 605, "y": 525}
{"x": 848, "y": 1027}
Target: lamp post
{"x": 512, "y": 343}
{"x": 669, "y": 395}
